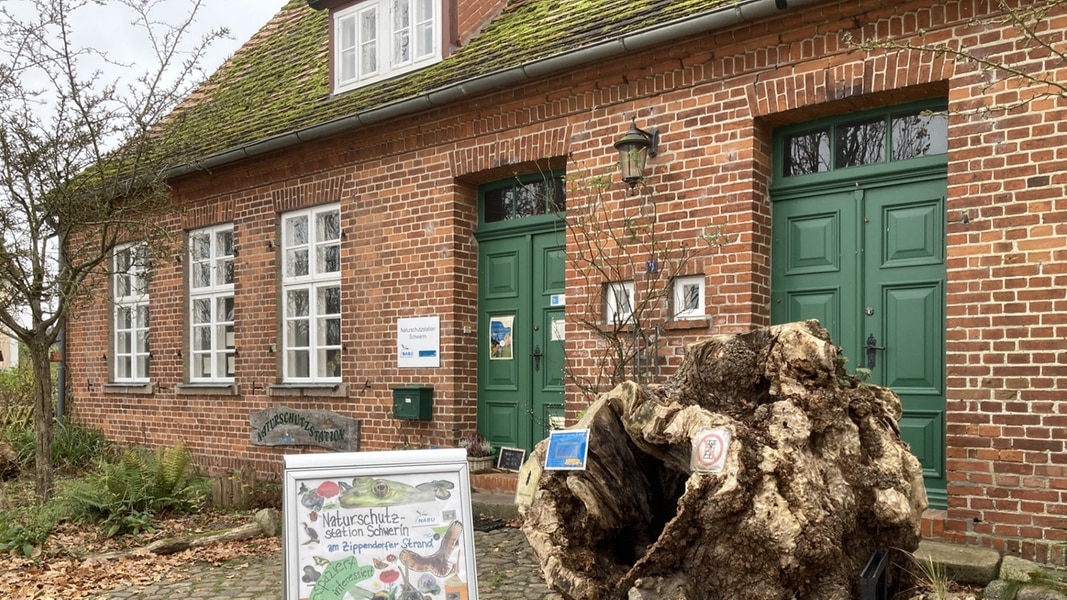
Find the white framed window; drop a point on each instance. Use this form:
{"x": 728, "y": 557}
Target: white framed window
{"x": 687, "y": 301}
{"x": 211, "y": 332}
{"x": 376, "y": 39}
{"x": 130, "y": 318}
{"x": 618, "y": 302}
{"x": 311, "y": 295}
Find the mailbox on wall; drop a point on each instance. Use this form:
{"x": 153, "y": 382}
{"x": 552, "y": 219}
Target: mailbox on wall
{"x": 413, "y": 403}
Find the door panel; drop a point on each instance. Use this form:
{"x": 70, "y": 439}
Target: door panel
{"x": 905, "y": 285}
{"x": 814, "y": 263}
{"x": 869, "y": 263}
{"x": 520, "y": 387}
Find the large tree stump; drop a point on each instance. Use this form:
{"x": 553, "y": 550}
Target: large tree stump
{"x": 815, "y": 480}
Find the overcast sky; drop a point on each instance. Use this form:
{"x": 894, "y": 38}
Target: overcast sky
{"x": 109, "y": 30}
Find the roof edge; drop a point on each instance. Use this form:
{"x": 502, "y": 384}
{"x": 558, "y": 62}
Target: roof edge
{"x": 721, "y": 18}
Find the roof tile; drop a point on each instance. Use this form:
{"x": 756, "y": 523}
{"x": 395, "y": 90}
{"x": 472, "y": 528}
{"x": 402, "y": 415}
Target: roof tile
{"x": 278, "y": 82}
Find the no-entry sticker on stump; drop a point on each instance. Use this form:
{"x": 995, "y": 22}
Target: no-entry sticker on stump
{"x": 709, "y": 450}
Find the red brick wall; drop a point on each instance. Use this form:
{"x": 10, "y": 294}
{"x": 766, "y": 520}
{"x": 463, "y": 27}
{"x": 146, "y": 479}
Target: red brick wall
{"x": 408, "y": 201}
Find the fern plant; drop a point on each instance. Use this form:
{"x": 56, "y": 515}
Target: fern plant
{"x": 128, "y": 493}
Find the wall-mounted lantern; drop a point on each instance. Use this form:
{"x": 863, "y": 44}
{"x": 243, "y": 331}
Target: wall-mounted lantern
{"x": 634, "y": 149}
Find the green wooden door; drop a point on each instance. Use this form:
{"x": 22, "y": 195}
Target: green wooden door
{"x": 520, "y": 337}
{"x": 868, "y": 261}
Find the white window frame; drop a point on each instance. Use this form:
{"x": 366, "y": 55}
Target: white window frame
{"x": 683, "y": 306}
{"x": 618, "y": 302}
{"x": 212, "y": 349}
{"x": 129, "y": 319}
{"x": 419, "y": 35}
{"x": 311, "y": 269}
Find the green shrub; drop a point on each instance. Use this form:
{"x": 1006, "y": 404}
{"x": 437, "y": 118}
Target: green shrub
{"x": 74, "y": 447}
{"x": 24, "y": 529}
{"x": 127, "y": 493}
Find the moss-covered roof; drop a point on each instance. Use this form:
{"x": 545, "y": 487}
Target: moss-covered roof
{"x": 278, "y": 82}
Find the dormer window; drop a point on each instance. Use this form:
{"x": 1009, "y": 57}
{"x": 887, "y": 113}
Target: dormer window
{"x": 377, "y": 39}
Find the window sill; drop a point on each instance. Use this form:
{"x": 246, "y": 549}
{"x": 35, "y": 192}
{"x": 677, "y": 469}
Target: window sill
{"x": 311, "y": 390}
{"x": 686, "y": 324}
{"x": 208, "y": 389}
{"x": 141, "y": 389}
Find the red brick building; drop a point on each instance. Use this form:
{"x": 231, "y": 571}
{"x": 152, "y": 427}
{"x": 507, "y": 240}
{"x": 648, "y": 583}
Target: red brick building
{"x": 382, "y": 209}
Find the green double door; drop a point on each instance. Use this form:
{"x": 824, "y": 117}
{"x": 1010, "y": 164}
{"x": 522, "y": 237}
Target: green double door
{"x": 521, "y": 336}
{"x": 868, "y": 261}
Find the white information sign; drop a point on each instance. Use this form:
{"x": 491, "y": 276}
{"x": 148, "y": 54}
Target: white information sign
{"x": 418, "y": 342}
{"x": 709, "y": 450}
{"x": 366, "y": 525}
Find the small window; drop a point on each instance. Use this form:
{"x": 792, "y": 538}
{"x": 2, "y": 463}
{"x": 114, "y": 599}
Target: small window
{"x": 919, "y": 134}
{"x": 377, "y": 39}
{"x": 688, "y": 297}
{"x": 311, "y": 291}
{"x": 519, "y": 199}
{"x": 886, "y": 136}
{"x": 130, "y": 317}
{"x": 618, "y": 302}
{"x": 212, "y": 350}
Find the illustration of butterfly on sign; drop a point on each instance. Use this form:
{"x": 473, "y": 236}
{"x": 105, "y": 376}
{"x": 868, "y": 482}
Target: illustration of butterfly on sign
{"x": 371, "y": 525}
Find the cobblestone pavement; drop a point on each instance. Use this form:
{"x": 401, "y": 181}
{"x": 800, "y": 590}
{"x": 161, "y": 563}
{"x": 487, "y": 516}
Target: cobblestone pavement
{"x": 506, "y": 570}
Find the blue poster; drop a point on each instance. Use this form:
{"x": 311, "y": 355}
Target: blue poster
{"x": 567, "y": 450}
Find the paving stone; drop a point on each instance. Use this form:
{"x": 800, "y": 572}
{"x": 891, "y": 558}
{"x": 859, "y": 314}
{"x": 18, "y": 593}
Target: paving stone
{"x": 506, "y": 571}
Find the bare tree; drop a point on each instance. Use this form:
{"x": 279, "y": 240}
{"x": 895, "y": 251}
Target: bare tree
{"x": 83, "y": 163}
{"x": 620, "y": 246}
{"x": 1033, "y": 67}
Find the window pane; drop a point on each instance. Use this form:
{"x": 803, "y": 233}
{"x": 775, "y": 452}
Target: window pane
{"x": 122, "y": 286}
{"x": 557, "y": 195}
{"x": 401, "y": 32}
{"x": 124, "y": 343}
{"x": 297, "y": 335}
{"x": 690, "y": 297}
{"x": 201, "y": 338}
{"x": 123, "y": 318}
{"x": 296, "y": 304}
{"x": 226, "y": 340}
{"x": 919, "y": 135}
{"x": 200, "y": 246}
{"x": 346, "y": 29}
{"x": 497, "y": 205}
{"x": 530, "y": 200}
{"x": 202, "y": 365}
{"x": 328, "y": 226}
{"x": 296, "y": 263}
{"x": 298, "y": 363}
{"x": 424, "y": 28}
{"x": 368, "y": 48}
{"x": 860, "y": 143}
{"x": 330, "y": 332}
{"x": 225, "y": 309}
{"x": 296, "y": 231}
{"x": 329, "y": 301}
{"x": 329, "y": 259}
{"x": 225, "y": 273}
{"x": 329, "y": 363}
{"x": 226, "y": 364}
{"x": 348, "y": 64}
{"x": 201, "y": 275}
{"x": 807, "y": 153}
{"x": 201, "y": 311}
